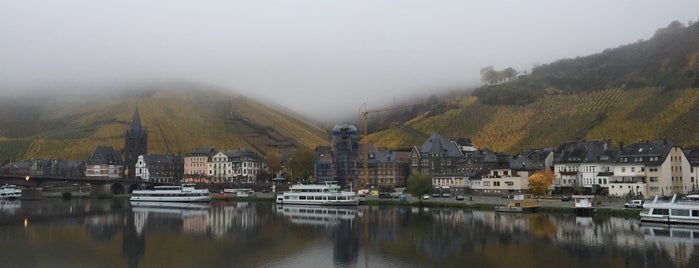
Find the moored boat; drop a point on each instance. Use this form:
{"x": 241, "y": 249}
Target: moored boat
{"x": 670, "y": 212}
{"x": 180, "y": 193}
{"x": 9, "y": 191}
{"x": 519, "y": 204}
{"x": 584, "y": 205}
{"x": 329, "y": 193}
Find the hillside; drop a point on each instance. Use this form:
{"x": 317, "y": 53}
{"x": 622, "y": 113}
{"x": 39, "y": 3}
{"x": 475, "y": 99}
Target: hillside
{"x": 178, "y": 118}
{"x": 642, "y": 91}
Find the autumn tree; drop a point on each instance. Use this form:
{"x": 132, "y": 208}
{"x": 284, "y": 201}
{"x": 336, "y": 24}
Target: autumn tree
{"x": 273, "y": 161}
{"x": 540, "y": 181}
{"x": 418, "y": 185}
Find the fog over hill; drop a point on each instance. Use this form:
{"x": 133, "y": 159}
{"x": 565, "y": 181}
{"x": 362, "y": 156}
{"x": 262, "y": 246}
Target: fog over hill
{"x": 323, "y": 59}
{"x": 177, "y": 116}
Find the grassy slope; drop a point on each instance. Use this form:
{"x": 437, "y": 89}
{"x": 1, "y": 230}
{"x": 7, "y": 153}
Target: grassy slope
{"x": 618, "y": 114}
{"x": 177, "y": 120}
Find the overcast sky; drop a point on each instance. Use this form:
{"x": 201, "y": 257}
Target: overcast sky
{"x": 319, "y": 58}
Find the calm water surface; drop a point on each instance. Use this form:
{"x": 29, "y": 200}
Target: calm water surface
{"x": 113, "y": 233}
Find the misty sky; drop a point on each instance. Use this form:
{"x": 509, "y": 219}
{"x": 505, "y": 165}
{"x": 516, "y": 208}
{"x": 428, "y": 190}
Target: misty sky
{"x": 315, "y": 57}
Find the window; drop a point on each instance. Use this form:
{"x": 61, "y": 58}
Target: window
{"x": 496, "y": 183}
{"x": 661, "y": 211}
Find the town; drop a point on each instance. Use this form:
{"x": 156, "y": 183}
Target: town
{"x": 640, "y": 169}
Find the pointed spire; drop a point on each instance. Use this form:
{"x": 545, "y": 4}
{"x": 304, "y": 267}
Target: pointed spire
{"x": 136, "y": 121}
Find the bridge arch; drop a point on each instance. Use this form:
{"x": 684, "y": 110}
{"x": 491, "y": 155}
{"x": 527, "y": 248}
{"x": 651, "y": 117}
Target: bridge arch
{"x": 117, "y": 188}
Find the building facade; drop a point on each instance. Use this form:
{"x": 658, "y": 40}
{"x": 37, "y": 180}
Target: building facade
{"x": 160, "y": 168}
{"x": 196, "y": 164}
{"x": 104, "y": 163}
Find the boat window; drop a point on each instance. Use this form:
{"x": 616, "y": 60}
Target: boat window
{"x": 661, "y": 211}
{"x": 682, "y": 234}
{"x": 332, "y": 198}
{"x": 341, "y": 198}
{"x": 303, "y": 197}
{"x": 695, "y": 213}
{"x": 680, "y": 212}
{"x": 319, "y": 198}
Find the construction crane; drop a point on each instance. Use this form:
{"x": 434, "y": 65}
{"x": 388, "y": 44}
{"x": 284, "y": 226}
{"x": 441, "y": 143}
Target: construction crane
{"x": 365, "y": 117}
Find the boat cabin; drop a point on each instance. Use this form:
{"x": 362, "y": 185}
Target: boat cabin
{"x": 584, "y": 204}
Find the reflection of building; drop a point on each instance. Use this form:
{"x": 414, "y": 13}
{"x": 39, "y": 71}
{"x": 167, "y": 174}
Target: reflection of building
{"x": 103, "y": 227}
{"x": 220, "y": 220}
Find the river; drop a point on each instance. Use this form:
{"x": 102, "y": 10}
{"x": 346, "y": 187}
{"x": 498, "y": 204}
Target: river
{"x": 112, "y": 233}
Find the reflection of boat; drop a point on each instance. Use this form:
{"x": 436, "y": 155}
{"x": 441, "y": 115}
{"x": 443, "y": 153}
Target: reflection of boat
{"x": 9, "y": 191}
{"x": 519, "y": 204}
{"x": 654, "y": 231}
{"x": 10, "y": 206}
{"x": 182, "y": 193}
{"x": 315, "y": 215}
{"x": 670, "y": 212}
{"x": 318, "y": 194}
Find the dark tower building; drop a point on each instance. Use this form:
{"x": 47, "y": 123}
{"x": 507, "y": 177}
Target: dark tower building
{"x": 345, "y": 144}
{"x": 136, "y": 143}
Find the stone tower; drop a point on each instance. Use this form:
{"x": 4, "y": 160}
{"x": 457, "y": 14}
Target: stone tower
{"x": 136, "y": 143}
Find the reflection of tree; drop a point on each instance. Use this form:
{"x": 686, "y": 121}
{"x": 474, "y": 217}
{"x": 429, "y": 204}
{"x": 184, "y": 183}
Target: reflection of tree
{"x": 541, "y": 226}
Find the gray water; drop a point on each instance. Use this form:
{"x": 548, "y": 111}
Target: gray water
{"x": 112, "y": 233}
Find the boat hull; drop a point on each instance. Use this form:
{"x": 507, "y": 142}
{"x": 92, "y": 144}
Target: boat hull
{"x": 354, "y": 202}
{"x": 171, "y": 198}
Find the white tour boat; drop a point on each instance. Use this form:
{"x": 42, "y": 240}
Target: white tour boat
{"x": 9, "y": 191}
{"x": 670, "y": 212}
{"x": 183, "y": 193}
{"x": 329, "y": 193}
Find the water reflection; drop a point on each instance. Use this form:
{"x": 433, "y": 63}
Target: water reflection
{"x": 107, "y": 233}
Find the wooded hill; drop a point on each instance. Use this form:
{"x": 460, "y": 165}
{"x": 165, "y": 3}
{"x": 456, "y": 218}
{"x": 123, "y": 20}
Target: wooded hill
{"x": 643, "y": 91}
{"x": 178, "y": 118}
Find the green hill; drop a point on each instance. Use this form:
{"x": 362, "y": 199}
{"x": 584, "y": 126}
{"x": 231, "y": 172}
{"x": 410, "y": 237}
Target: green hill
{"x": 643, "y": 91}
{"x": 178, "y": 118}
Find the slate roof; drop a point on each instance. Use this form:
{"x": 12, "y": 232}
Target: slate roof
{"x": 530, "y": 159}
{"x": 692, "y": 155}
{"x": 162, "y": 159}
{"x": 646, "y": 152}
{"x": 437, "y": 145}
{"x": 202, "y": 151}
{"x": 103, "y": 155}
{"x": 595, "y": 151}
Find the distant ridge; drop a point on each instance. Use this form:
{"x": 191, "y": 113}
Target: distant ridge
{"x": 178, "y": 118}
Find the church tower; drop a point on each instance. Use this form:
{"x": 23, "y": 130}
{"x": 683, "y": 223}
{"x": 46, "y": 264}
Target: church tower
{"x": 136, "y": 143}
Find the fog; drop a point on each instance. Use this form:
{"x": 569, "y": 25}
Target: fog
{"x": 318, "y": 58}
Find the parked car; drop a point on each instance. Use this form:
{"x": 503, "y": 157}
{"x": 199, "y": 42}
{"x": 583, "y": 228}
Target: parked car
{"x": 634, "y": 204}
{"x": 565, "y": 198}
{"x": 425, "y": 196}
{"x": 460, "y": 198}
